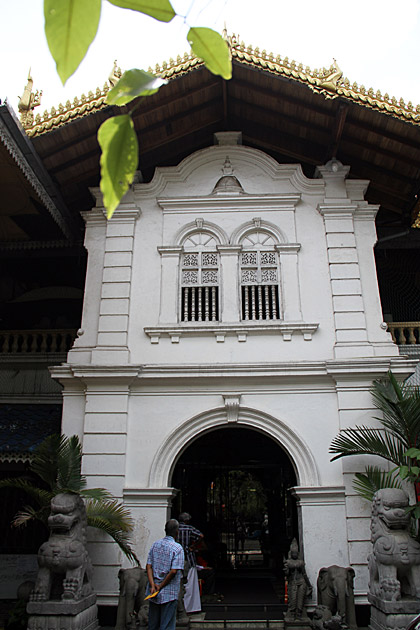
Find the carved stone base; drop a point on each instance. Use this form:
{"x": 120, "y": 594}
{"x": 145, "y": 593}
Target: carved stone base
{"x": 397, "y": 615}
{"x": 63, "y": 615}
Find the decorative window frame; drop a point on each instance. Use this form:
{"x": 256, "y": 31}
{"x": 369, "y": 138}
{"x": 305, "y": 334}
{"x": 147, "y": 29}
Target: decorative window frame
{"x": 230, "y": 323}
{"x": 199, "y": 281}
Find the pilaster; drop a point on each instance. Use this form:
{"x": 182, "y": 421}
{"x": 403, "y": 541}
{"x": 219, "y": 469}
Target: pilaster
{"x": 169, "y": 294}
{"x": 322, "y": 513}
{"x": 96, "y": 226}
{"x": 230, "y": 304}
{"x": 112, "y": 343}
{"x": 289, "y": 271}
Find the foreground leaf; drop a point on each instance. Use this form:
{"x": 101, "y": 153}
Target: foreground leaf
{"x": 70, "y": 28}
{"x": 119, "y": 159}
{"x": 212, "y": 49}
{"x": 159, "y": 9}
{"x": 132, "y": 84}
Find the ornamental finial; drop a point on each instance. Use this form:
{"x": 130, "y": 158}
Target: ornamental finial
{"x": 27, "y": 102}
{"x": 115, "y": 74}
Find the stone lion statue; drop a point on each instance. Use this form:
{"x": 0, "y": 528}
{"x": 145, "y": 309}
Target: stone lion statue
{"x": 65, "y": 569}
{"x": 394, "y": 564}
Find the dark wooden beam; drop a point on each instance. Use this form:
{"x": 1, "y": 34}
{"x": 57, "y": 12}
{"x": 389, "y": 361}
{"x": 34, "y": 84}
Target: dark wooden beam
{"x": 149, "y": 105}
{"x": 337, "y": 131}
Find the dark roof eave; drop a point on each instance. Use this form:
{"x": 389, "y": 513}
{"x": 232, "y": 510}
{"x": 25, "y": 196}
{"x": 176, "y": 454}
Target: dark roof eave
{"x": 51, "y": 198}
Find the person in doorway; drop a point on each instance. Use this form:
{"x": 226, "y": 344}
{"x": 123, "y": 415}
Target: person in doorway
{"x": 165, "y": 564}
{"x": 189, "y": 538}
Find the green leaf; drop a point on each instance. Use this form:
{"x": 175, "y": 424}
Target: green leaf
{"x": 132, "y": 84}
{"x": 416, "y": 511}
{"x": 161, "y": 10}
{"x": 415, "y": 470}
{"x": 70, "y": 28}
{"x": 212, "y": 49}
{"x": 119, "y": 159}
{"x": 404, "y": 472}
{"x": 414, "y": 453}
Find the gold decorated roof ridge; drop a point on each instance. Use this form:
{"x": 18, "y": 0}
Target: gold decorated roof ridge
{"x": 326, "y": 81}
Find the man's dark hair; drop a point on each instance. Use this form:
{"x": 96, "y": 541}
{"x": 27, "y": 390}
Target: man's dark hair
{"x": 172, "y": 527}
{"x": 184, "y": 517}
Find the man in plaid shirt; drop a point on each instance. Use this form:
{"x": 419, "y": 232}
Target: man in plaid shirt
{"x": 165, "y": 564}
{"x": 188, "y": 537}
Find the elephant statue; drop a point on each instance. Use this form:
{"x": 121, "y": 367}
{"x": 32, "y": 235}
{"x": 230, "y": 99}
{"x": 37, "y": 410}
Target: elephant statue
{"x": 335, "y": 590}
{"x": 131, "y": 606}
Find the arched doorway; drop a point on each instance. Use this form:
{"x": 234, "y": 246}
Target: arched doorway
{"x": 235, "y": 482}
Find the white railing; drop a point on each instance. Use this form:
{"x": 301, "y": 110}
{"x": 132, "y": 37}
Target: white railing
{"x": 405, "y": 333}
{"x": 36, "y": 341}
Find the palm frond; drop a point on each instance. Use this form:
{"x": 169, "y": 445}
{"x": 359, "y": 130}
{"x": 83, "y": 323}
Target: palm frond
{"x": 97, "y": 494}
{"x": 114, "y": 519}
{"x": 40, "y": 495}
{"x": 400, "y": 406}
{"x": 374, "y": 479}
{"x": 28, "y": 513}
{"x": 69, "y": 476}
{"x": 57, "y": 461}
{"x": 45, "y": 462}
{"x": 368, "y": 441}
{"x": 111, "y": 510}
{"x": 121, "y": 538}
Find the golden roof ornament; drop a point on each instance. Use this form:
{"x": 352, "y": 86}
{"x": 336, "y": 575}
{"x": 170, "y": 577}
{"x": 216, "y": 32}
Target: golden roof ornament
{"x": 330, "y": 83}
{"x": 115, "y": 75}
{"x": 328, "y": 80}
{"x": 27, "y": 103}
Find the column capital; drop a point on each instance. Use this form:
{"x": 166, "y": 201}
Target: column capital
{"x": 170, "y": 250}
{"x": 337, "y": 210}
{"x": 319, "y": 495}
{"x": 149, "y": 497}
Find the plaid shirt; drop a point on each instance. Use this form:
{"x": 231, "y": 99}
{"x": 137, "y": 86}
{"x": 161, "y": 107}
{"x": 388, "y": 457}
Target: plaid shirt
{"x": 187, "y": 535}
{"x": 164, "y": 555}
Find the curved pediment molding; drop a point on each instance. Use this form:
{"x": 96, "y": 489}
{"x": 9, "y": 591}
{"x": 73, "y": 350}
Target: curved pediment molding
{"x": 204, "y": 169}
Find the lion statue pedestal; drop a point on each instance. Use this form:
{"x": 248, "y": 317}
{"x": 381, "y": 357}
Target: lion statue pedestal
{"x": 63, "y": 597}
{"x": 394, "y": 564}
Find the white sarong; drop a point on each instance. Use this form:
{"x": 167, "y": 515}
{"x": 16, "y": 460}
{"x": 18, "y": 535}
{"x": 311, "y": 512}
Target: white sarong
{"x": 192, "y": 601}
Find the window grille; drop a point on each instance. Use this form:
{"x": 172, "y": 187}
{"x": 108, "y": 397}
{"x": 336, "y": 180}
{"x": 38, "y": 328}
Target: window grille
{"x": 200, "y": 287}
{"x": 260, "y": 285}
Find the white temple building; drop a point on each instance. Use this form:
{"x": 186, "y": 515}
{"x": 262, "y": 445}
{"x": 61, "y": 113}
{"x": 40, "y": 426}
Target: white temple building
{"x": 230, "y": 292}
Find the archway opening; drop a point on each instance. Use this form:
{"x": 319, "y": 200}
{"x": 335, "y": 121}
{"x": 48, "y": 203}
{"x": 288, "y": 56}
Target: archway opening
{"x": 235, "y": 482}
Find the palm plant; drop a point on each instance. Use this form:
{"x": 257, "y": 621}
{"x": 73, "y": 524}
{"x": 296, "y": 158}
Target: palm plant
{"x": 57, "y": 463}
{"x": 400, "y": 431}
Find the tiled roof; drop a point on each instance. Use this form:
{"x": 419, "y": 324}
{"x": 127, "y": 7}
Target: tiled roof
{"x": 327, "y": 81}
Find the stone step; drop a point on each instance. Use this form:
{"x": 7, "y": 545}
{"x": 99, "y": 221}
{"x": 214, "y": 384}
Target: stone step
{"x": 237, "y": 624}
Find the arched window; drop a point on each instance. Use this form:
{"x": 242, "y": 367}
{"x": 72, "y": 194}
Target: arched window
{"x": 260, "y": 277}
{"x": 200, "y": 279}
